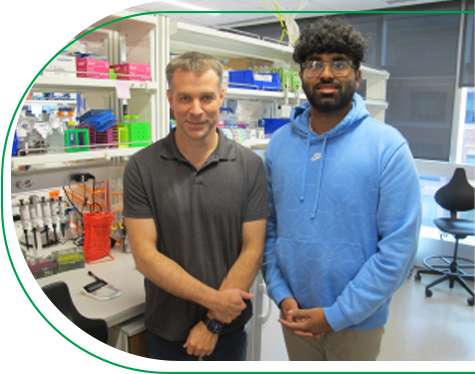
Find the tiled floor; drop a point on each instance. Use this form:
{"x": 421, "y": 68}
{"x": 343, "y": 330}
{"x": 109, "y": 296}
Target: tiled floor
{"x": 439, "y": 328}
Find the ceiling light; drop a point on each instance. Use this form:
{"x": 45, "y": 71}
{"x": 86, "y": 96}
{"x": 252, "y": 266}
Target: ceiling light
{"x": 182, "y": 4}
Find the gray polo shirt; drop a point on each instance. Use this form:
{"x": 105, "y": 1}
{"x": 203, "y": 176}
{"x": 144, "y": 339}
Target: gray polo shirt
{"x": 198, "y": 215}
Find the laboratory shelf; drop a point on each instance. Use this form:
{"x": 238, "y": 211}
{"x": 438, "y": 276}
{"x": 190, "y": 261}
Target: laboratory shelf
{"x": 224, "y": 44}
{"x": 256, "y": 143}
{"x": 242, "y": 93}
{"x": 78, "y": 84}
{"x": 53, "y": 158}
{"x": 50, "y": 102}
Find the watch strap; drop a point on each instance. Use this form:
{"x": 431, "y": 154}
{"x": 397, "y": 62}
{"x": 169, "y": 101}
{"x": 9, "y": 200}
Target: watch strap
{"x": 214, "y": 326}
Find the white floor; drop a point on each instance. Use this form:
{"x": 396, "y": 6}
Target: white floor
{"x": 439, "y": 328}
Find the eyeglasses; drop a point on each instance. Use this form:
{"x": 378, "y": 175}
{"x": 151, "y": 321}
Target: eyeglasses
{"x": 339, "y": 68}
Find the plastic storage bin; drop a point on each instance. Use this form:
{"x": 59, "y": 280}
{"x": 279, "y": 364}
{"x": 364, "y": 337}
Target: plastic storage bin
{"x": 44, "y": 269}
{"x": 106, "y": 137}
{"x": 121, "y": 134}
{"x": 92, "y": 133}
{"x": 139, "y": 134}
{"x": 273, "y": 124}
{"x": 70, "y": 262}
{"x": 248, "y": 80}
{"x": 76, "y": 140}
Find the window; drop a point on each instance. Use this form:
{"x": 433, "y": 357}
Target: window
{"x": 467, "y": 67}
{"x": 420, "y": 52}
{"x": 467, "y": 126}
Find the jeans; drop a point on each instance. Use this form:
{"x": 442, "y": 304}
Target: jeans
{"x": 230, "y": 347}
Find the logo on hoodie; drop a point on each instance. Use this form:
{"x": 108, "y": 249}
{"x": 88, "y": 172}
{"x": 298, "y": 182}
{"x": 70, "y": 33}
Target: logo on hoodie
{"x": 316, "y": 156}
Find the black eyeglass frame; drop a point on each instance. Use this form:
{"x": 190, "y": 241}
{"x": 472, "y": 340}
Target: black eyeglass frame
{"x": 303, "y": 66}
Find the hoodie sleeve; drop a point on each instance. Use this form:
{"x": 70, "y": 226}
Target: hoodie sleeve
{"x": 398, "y": 221}
{"x": 277, "y": 287}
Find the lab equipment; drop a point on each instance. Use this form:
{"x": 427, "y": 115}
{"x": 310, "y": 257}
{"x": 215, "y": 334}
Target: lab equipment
{"x": 100, "y": 289}
{"x": 25, "y": 221}
{"x": 35, "y": 222}
{"x": 47, "y": 222}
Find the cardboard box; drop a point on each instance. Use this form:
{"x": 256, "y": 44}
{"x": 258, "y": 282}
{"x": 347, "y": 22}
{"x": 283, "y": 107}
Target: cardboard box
{"x": 245, "y": 63}
{"x": 91, "y": 68}
{"x": 61, "y": 65}
{"x": 132, "y": 72}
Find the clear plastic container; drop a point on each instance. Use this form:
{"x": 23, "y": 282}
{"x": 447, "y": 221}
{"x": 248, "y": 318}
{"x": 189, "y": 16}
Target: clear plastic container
{"x": 55, "y": 137}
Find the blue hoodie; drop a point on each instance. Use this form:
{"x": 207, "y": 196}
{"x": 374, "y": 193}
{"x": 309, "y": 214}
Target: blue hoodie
{"x": 345, "y": 217}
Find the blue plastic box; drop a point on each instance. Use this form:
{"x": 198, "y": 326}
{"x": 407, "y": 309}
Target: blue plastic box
{"x": 245, "y": 79}
{"x": 100, "y": 119}
{"x": 273, "y": 124}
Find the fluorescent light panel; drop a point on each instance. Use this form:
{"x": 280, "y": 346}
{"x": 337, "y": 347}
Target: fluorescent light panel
{"x": 181, "y": 4}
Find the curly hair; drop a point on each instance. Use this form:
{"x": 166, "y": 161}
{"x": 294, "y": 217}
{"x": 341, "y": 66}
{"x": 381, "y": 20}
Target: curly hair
{"x": 330, "y": 36}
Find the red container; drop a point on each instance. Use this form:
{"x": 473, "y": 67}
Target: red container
{"x": 97, "y": 242}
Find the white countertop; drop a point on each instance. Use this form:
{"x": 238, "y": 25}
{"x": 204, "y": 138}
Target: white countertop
{"x": 120, "y": 272}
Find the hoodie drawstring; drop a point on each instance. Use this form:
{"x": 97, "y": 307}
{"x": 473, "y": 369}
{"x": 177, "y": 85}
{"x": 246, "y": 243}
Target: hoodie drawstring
{"x": 320, "y": 177}
{"x": 304, "y": 176}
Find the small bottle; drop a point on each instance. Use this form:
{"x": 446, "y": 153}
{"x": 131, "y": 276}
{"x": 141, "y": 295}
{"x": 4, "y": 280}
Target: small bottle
{"x": 135, "y": 119}
{"x": 44, "y": 116}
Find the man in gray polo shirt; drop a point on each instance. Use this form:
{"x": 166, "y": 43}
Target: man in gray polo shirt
{"x": 196, "y": 205}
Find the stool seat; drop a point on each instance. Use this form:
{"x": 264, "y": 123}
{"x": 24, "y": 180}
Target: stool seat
{"x": 459, "y": 227}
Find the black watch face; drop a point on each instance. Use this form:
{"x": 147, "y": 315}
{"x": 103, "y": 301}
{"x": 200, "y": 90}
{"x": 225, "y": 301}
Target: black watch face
{"x": 214, "y": 327}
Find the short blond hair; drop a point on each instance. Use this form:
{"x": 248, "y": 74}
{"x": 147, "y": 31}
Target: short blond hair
{"x": 195, "y": 62}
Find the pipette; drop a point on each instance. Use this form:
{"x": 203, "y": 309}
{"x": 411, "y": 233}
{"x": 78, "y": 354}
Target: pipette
{"x": 34, "y": 221}
{"x": 62, "y": 216}
{"x": 25, "y": 221}
{"x": 46, "y": 210}
{"x": 54, "y": 218}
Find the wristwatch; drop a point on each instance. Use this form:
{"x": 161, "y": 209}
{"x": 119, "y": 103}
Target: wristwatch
{"x": 214, "y": 326}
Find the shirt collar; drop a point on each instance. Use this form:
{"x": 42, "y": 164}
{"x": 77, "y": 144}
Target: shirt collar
{"x": 226, "y": 149}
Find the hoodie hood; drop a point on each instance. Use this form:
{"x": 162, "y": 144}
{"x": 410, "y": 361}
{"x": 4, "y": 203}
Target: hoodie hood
{"x": 300, "y": 123}
{"x": 301, "y": 114}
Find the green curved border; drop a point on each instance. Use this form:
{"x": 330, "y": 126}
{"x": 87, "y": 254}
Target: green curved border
{"x": 40, "y": 336}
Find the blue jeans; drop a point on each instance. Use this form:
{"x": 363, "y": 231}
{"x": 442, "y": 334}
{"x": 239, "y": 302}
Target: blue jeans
{"x": 230, "y": 347}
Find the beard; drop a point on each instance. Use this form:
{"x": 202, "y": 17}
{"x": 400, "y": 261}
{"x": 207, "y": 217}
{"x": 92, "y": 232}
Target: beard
{"x": 328, "y": 103}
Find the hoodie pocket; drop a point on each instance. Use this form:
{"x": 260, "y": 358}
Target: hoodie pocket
{"x": 318, "y": 271}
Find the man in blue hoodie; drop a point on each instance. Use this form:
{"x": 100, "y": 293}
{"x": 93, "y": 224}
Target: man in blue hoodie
{"x": 345, "y": 207}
